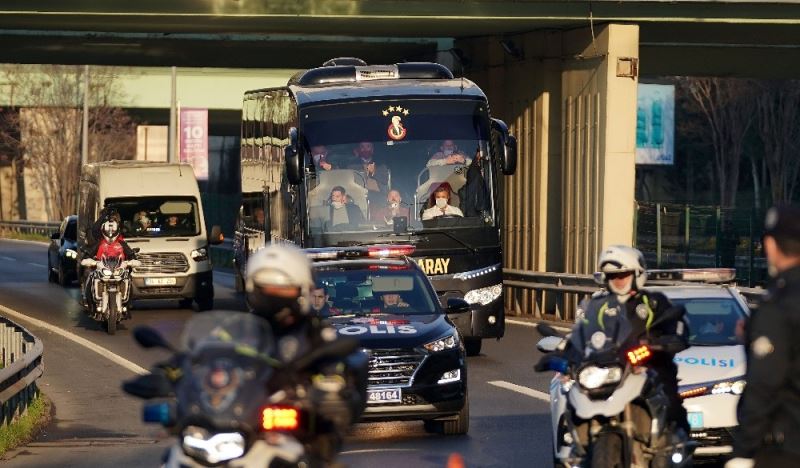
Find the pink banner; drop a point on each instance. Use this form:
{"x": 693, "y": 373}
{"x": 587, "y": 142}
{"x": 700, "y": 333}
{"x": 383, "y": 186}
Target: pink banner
{"x": 194, "y": 140}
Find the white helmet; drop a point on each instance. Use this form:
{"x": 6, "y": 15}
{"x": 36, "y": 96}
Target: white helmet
{"x": 621, "y": 259}
{"x": 271, "y": 274}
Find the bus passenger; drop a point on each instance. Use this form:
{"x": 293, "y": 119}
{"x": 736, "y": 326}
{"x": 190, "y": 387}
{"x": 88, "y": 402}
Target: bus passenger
{"x": 439, "y": 203}
{"x": 377, "y": 175}
{"x": 448, "y": 154}
{"x": 319, "y": 153}
{"x": 394, "y": 207}
{"x": 341, "y": 212}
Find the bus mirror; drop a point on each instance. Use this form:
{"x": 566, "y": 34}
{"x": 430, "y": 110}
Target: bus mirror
{"x": 293, "y": 156}
{"x": 216, "y": 237}
{"x": 510, "y": 156}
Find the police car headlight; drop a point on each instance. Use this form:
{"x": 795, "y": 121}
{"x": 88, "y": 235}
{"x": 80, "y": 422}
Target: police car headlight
{"x": 734, "y": 387}
{"x": 448, "y": 342}
{"x": 450, "y": 376}
{"x": 593, "y": 377}
{"x": 69, "y": 253}
{"x": 485, "y": 295}
{"x": 200, "y": 254}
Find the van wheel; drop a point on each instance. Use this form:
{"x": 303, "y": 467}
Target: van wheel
{"x": 204, "y": 304}
{"x": 473, "y": 346}
{"x": 185, "y": 303}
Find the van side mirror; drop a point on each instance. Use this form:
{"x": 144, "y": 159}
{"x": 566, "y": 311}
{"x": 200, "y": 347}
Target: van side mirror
{"x": 293, "y": 156}
{"x": 55, "y": 236}
{"x": 504, "y": 147}
{"x": 216, "y": 237}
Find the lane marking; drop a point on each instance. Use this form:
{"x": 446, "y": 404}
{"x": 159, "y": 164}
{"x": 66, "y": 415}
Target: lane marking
{"x": 106, "y": 353}
{"x": 380, "y": 450}
{"x": 23, "y": 241}
{"x": 533, "y": 324}
{"x": 521, "y": 389}
{"x": 37, "y": 265}
{"x": 8, "y": 259}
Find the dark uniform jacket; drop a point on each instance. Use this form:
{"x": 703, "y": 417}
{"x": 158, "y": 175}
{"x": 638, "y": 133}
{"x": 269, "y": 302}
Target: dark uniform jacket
{"x": 769, "y": 410}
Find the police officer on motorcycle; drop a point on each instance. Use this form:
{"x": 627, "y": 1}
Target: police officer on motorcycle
{"x": 623, "y": 272}
{"x": 278, "y": 283}
{"x": 104, "y": 236}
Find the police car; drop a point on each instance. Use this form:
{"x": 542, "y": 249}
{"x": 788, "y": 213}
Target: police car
{"x": 417, "y": 361}
{"x": 711, "y": 371}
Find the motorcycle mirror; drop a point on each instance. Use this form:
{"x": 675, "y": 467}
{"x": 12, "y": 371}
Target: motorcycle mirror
{"x": 339, "y": 348}
{"x": 546, "y": 330}
{"x": 548, "y": 344}
{"x": 148, "y": 337}
{"x": 148, "y": 386}
{"x": 549, "y": 362}
{"x": 672, "y": 314}
{"x": 216, "y": 236}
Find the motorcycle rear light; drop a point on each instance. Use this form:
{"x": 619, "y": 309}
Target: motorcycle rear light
{"x": 639, "y": 356}
{"x": 280, "y": 419}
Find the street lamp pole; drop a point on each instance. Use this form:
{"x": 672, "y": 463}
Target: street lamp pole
{"x": 85, "y": 132}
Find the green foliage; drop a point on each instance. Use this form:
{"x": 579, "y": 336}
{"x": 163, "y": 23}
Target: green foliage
{"x": 24, "y": 428}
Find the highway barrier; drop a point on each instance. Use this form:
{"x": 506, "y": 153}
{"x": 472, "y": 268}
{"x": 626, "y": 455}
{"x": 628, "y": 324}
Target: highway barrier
{"x": 21, "y": 360}
{"x": 42, "y": 228}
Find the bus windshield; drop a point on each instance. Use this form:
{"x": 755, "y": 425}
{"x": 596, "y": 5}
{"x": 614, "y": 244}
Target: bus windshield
{"x": 425, "y": 163}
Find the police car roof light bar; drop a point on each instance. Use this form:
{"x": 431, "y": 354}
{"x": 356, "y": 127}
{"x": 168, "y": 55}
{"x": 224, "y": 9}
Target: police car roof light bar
{"x": 372, "y": 251}
{"x": 702, "y": 275}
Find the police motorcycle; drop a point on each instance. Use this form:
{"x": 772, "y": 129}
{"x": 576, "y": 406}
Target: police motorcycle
{"x": 110, "y": 282}
{"x": 607, "y": 409}
{"x": 224, "y": 394}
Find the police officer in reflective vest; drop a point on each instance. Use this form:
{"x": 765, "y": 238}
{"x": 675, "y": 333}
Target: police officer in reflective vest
{"x": 769, "y": 410}
{"x": 623, "y": 273}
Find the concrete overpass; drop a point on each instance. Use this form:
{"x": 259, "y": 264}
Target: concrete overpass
{"x": 562, "y": 73}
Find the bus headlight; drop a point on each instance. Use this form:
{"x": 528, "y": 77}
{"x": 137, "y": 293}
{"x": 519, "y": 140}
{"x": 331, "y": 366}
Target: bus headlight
{"x": 485, "y": 295}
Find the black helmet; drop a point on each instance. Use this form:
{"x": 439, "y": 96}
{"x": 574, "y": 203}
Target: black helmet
{"x": 110, "y": 229}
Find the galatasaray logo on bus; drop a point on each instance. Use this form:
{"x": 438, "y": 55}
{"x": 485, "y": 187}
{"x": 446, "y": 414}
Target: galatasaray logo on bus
{"x": 396, "y": 131}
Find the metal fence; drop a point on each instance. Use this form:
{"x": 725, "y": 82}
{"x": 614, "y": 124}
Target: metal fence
{"x": 686, "y": 236}
{"x": 42, "y": 228}
{"x": 21, "y": 360}
{"x": 555, "y": 296}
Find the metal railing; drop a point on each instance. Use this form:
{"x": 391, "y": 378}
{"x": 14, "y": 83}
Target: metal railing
{"x": 43, "y": 228}
{"x": 21, "y": 358}
{"x": 555, "y": 296}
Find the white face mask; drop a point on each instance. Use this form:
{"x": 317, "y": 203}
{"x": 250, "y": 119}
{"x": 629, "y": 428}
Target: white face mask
{"x": 395, "y": 204}
{"x": 318, "y": 157}
{"x": 337, "y": 204}
{"x": 448, "y": 152}
{"x": 441, "y": 202}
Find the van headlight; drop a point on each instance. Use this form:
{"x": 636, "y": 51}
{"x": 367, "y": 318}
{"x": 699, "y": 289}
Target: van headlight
{"x": 485, "y": 295}
{"x": 200, "y": 255}
{"x": 448, "y": 342}
{"x": 592, "y": 377}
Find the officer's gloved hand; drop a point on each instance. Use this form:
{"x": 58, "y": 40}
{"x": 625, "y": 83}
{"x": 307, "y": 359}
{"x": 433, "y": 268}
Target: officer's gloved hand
{"x": 740, "y": 463}
{"x": 326, "y": 396}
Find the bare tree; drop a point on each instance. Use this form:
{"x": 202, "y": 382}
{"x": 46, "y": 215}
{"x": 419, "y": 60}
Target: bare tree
{"x": 728, "y": 106}
{"x": 47, "y": 129}
{"x": 778, "y": 125}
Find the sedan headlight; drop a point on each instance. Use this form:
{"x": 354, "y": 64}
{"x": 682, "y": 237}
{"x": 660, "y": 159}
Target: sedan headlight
{"x": 212, "y": 448}
{"x": 448, "y": 342}
{"x": 592, "y": 377}
{"x": 200, "y": 255}
{"x": 69, "y": 253}
{"x": 485, "y": 295}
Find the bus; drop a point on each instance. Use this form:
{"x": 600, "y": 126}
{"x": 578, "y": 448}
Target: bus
{"x": 350, "y": 154}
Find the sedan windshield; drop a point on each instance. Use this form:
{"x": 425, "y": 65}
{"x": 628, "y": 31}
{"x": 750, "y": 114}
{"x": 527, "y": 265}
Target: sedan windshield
{"x": 368, "y": 292}
{"x": 712, "y": 322}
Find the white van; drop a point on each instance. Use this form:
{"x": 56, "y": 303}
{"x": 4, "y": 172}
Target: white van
{"x": 162, "y": 216}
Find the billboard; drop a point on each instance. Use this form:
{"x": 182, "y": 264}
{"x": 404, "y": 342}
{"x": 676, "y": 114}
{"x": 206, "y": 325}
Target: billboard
{"x": 194, "y": 140}
{"x": 655, "y": 124}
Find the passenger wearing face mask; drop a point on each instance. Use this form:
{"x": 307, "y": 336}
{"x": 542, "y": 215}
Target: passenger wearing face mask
{"x": 439, "y": 203}
{"x": 319, "y": 153}
{"x": 448, "y": 154}
{"x": 394, "y": 207}
{"x": 341, "y": 212}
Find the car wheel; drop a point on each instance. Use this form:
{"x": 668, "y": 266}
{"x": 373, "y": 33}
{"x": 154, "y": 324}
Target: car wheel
{"x": 473, "y": 346}
{"x": 457, "y": 426}
{"x": 62, "y": 277}
{"x": 51, "y": 275}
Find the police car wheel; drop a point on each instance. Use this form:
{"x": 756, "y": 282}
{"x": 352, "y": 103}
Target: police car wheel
{"x": 473, "y": 346}
{"x": 460, "y": 425}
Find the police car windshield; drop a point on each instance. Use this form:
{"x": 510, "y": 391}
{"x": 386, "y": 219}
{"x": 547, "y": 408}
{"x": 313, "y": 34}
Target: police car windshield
{"x": 375, "y": 291}
{"x": 712, "y": 322}
{"x": 378, "y": 160}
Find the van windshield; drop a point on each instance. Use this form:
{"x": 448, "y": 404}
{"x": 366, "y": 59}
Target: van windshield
{"x": 157, "y": 216}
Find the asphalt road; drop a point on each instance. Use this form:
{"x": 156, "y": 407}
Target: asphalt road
{"x": 95, "y": 424}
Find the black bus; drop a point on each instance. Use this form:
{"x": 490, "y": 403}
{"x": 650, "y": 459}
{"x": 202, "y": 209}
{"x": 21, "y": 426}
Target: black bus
{"x": 349, "y": 154}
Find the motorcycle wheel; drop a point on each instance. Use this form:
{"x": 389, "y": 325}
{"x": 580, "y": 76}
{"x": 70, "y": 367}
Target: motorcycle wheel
{"x": 113, "y": 313}
{"x": 606, "y": 451}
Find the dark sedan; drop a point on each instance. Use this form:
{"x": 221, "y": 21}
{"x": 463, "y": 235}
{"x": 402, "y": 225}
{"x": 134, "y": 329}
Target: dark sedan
{"x": 62, "y": 254}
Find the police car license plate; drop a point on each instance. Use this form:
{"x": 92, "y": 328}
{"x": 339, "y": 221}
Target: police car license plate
{"x": 386, "y": 395}
{"x": 159, "y": 281}
{"x": 695, "y": 420}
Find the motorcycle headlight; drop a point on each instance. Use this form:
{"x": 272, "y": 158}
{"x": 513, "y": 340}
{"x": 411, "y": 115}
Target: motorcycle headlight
{"x": 119, "y": 271}
{"x": 448, "y": 342}
{"x": 106, "y": 272}
{"x": 592, "y": 377}
{"x": 200, "y": 254}
{"x": 485, "y": 295}
{"x": 69, "y": 253}
{"x": 212, "y": 448}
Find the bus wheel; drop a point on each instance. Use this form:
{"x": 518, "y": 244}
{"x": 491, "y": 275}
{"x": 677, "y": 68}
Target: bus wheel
{"x": 473, "y": 346}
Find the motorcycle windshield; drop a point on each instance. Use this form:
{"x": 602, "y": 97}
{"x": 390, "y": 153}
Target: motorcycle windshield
{"x": 606, "y": 330}
{"x": 230, "y": 358}
{"x": 110, "y": 262}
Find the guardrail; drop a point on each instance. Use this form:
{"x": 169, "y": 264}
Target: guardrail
{"x": 555, "y": 296}
{"x": 43, "y": 228}
{"x": 21, "y": 358}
